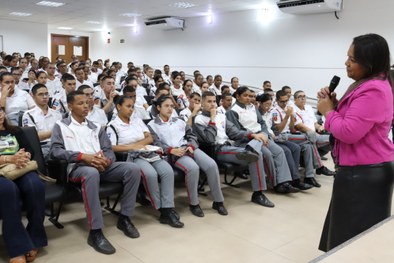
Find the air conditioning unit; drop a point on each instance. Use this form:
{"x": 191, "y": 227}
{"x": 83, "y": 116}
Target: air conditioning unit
{"x": 165, "y": 23}
{"x": 303, "y": 7}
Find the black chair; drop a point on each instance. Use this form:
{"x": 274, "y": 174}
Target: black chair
{"x": 54, "y": 192}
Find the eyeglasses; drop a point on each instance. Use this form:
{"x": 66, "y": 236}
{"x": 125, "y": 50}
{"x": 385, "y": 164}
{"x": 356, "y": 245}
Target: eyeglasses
{"x": 303, "y": 97}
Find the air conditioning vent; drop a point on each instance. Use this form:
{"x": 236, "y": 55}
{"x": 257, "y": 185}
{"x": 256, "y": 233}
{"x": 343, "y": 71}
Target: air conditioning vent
{"x": 165, "y": 23}
{"x": 303, "y": 7}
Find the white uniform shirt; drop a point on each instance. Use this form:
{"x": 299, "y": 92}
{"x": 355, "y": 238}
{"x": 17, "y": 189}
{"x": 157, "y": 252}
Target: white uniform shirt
{"x": 40, "y": 121}
{"x": 128, "y": 133}
{"x": 267, "y": 117}
{"x": 98, "y": 116}
{"x": 247, "y": 117}
{"x": 185, "y": 114}
{"x": 83, "y": 140}
{"x": 215, "y": 90}
{"x": 277, "y": 115}
{"x": 59, "y": 101}
{"x": 306, "y": 116}
{"x": 171, "y": 132}
{"x": 19, "y": 101}
{"x": 177, "y": 92}
{"x": 54, "y": 86}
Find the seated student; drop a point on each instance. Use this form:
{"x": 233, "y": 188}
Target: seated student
{"x": 53, "y": 84}
{"x": 22, "y": 243}
{"x": 212, "y": 127}
{"x": 176, "y": 139}
{"x": 193, "y": 109}
{"x": 80, "y": 78}
{"x": 245, "y": 117}
{"x": 225, "y": 103}
{"x": 108, "y": 87}
{"x": 59, "y": 101}
{"x": 129, "y": 134}
{"x": 13, "y": 100}
{"x": 176, "y": 87}
{"x": 306, "y": 123}
{"x": 41, "y": 117}
{"x": 183, "y": 100}
{"x": 217, "y": 84}
{"x": 87, "y": 149}
{"x": 163, "y": 90}
{"x": 95, "y": 114}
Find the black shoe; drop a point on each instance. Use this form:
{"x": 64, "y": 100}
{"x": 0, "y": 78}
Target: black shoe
{"x": 312, "y": 181}
{"x": 218, "y": 206}
{"x": 141, "y": 199}
{"x": 175, "y": 213}
{"x": 98, "y": 241}
{"x": 286, "y": 188}
{"x": 247, "y": 156}
{"x": 196, "y": 210}
{"x": 261, "y": 199}
{"x": 169, "y": 218}
{"x": 300, "y": 185}
{"x": 324, "y": 170}
{"x": 125, "y": 225}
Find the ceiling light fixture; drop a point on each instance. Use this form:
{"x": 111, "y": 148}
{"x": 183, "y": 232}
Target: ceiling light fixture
{"x": 64, "y": 28}
{"x": 50, "y": 4}
{"x": 20, "y": 14}
{"x": 93, "y": 22}
{"x": 183, "y": 5}
{"x": 130, "y": 14}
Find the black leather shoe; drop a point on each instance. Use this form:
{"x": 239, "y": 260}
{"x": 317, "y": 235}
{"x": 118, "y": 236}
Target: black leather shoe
{"x": 218, "y": 206}
{"x": 312, "y": 181}
{"x": 286, "y": 188}
{"x": 261, "y": 199}
{"x": 98, "y": 241}
{"x": 247, "y": 156}
{"x": 175, "y": 213}
{"x": 300, "y": 185}
{"x": 169, "y": 218}
{"x": 124, "y": 224}
{"x": 324, "y": 170}
{"x": 196, "y": 210}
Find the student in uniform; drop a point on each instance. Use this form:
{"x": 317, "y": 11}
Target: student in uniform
{"x": 59, "y": 101}
{"x": 192, "y": 110}
{"x": 128, "y": 134}
{"x": 96, "y": 114}
{"x": 87, "y": 149}
{"x": 13, "y": 100}
{"x": 213, "y": 127}
{"x": 245, "y": 116}
{"x": 41, "y": 117}
{"x": 176, "y": 139}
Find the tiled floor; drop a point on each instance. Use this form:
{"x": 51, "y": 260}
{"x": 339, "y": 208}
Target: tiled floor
{"x": 288, "y": 233}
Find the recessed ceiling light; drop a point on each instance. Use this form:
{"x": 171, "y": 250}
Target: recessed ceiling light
{"x": 50, "y": 4}
{"x": 64, "y": 28}
{"x": 130, "y": 14}
{"x": 182, "y": 5}
{"x": 20, "y": 14}
{"x": 93, "y": 22}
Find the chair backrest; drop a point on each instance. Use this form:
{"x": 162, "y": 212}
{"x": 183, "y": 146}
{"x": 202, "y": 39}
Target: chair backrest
{"x": 30, "y": 135}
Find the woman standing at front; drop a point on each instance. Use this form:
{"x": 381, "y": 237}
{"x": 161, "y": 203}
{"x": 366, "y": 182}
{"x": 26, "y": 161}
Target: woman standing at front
{"x": 360, "y": 122}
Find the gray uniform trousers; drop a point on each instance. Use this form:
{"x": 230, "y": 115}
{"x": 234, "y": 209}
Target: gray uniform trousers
{"x": 309, "y": 152}
{"x": 191, "y": 167}
{"x": 275, "y": 159}
{"x": 89, "y": 177}
{"x": 256, "y": 169}
{"x": 161, "y": 194}
{"x": 293, "y": 153}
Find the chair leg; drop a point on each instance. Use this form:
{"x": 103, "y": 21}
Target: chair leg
{"x": 54, "y": 218}
{"x": 231, "y": 182}
{"x": 201, "y": 185}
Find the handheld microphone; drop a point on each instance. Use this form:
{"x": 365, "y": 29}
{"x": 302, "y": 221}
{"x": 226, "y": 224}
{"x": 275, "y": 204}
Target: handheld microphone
{"x": 334, "y": 83}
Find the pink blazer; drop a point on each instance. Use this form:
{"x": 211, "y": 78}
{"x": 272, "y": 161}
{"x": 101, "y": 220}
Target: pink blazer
{"x": 361, "y": 124}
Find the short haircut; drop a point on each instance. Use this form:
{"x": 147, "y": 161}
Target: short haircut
{"x": 224, "y": 87}
{"x": 67, "y": 76}
{"x": 297, "y": 92}
{"x": 280, "y": 93}
{"x": 128, "y": 89}
{"x": 224, "y": 95}
{"x": 194, "y": 94}
{"x": 83, "y": 87}
{"x": 208, "y": 94}
{"x": 37, "y": 87}
{"x": 160, "y": 88}
{"x": 284, "y": 88}
{"x": 264, "y": 97}
{"x": 72, "y": 94}
{"x": 266, "y": 82}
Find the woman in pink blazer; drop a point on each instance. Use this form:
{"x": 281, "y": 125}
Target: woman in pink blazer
{"x": 360, "y": 123}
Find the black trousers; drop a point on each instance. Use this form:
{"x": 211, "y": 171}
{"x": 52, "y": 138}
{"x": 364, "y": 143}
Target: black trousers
{"x": 361, "y": 198}
{"x": 30, "y": 190}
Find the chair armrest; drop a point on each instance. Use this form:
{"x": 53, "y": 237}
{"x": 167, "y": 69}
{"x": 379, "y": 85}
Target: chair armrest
{"x": 209, "y": 149}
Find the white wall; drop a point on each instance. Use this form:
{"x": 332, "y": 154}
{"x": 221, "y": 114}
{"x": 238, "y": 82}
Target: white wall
{"x": 24, "y": 37}
{"x": 301, "y": 51}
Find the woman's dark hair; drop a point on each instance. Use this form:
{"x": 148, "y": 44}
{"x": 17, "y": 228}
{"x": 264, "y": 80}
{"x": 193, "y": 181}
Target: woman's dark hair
{"x": 186, "y": 81}
{"x": 263, "y": 97}
{"x": 160, "y": 100}
{"x": 121, "y": 99}
{"x": 372, "y": 52}
{"x": 38, "y": 73}
{"x": 241, "y": 90}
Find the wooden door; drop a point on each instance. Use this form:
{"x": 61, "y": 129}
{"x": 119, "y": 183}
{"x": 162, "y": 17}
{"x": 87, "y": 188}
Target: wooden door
{"x": 65, "y": 47}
